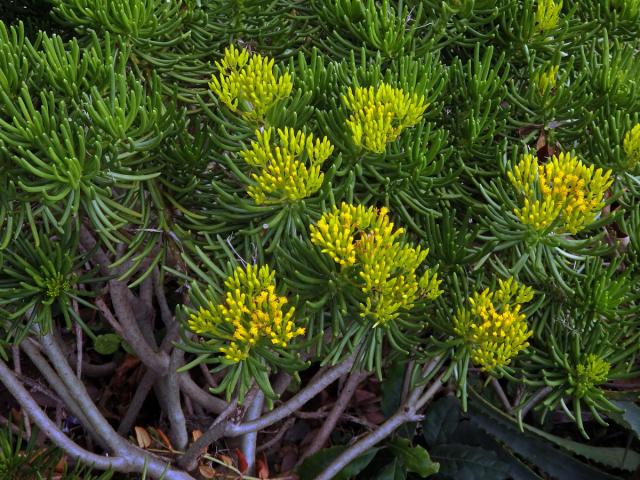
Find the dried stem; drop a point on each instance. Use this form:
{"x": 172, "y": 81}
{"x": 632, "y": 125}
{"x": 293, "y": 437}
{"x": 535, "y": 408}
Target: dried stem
{"x": 407, "y": 413}
{"x": 249, "y": 440}
{"x": 133, "y": 460}
{"x": 294, "y": 403}
{"x": 335, "y": 414}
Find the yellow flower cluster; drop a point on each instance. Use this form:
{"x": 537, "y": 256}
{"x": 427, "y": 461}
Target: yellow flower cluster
{"x": 365, "y": 238}
{"x": 379, "y": 114}
{"x": 546, "y": 80}
{"x": 252, "y": 311}
{"x": 593, "y": 371}
{"x": 493, "y": 326}
{"x": 562, "y": 192}
{"x": 547, "y": 15}
{"x": 284, "y": 175}
{"x": 632, "y": 147}
{"x": 247, "y": 82}
{"x": 57, "y": 285}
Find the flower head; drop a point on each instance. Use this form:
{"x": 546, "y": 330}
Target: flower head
{"x": 379, "y": 114}
{"x": 248, "y": 83}
{"x": 592, "y": 371}
{"x": 563, "y": 192}
{"x": 289, "y": 171}
{"x": 251, "y": 313}
{"x": 547, "y": 14}
{"x": 632, "y": 147}
{"x": 365, "y": 239}
{"x": 493, "y": 327}
{"x": 545, "y": 80}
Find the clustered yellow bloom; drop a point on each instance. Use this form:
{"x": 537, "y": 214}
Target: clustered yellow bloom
{"x": 589, "y": 373}
{"x": 563, "y": 192}
{"x": 365, "y": 239}
{"x": 251, "y": 312}
{"x": 493, "y": 326}
{"x": 284, "y": 175}
{"x": 379, "y": 114}
{"x": 57, "y": 285}
{"x": 546, "y": 80}
{"x": 248, "y": 82}
{"x": 548, "y": 14}
{"x": 632, "y": 147}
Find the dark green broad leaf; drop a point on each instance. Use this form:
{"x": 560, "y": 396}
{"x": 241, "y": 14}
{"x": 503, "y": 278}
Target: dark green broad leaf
{"x": 106, "y": 344}
{"x": 392, "y": 389}
{"x": 464, "y": 462}
{"x": 532, "y": 448}
{"x": 315, "y": 464}
{"x": 392, "y": 471}
{"x": 441, "y": 420}
{"x": 416, "y": 459}
{"x": 629, "y": 417}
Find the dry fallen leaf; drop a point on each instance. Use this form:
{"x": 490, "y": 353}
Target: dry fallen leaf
{"x": 206, "y": 471}
{"x": 243, "y": 466}
{"x": 262, "y": 468}
{"x": 165, "y": 440}
{"x": 142, "y": 437}
{"x": 224, "y": 459}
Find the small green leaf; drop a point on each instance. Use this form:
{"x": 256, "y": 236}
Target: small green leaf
{"x": 106, "y": 344}
{"x": 441, "y": 420}
{"x": 416, "y": 459}
{"x": 315, "y": 464}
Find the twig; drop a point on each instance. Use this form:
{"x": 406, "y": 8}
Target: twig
{"x": 79, "y": 346}
{"x": 534, "y": 400}
{"x": 407, "y": 413}
{"x": 143, "y": 389}
{"x": 200, "y": 396}
{"x": 133, "y": 461}
{"x": 334, "y": 415}
{"x": 249, "y": 439}
{"x": 278, "y": 436}
{"x": 189, "y": 461}
{"x": 80, "y": 395}
{"x": 58, "y": 386}
{"x": 294, "y": 403}
{"x": 17, "y": 367}
{"x": 503, "y": 396}
{"x": 158, "y": 361}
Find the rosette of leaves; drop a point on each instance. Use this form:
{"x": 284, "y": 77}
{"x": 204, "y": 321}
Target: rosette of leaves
{"x": 40, "y": 278}
{"x": 243, "y": 325}
{"x": 544, "y": 219}
{"x": 585, "y": 341}
{"x": 398, "y": 161}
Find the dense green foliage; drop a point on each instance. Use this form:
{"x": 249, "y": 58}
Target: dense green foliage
{"x": 120, "y": 132}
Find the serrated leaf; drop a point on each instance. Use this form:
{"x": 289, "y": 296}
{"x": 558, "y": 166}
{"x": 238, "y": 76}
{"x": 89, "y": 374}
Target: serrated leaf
{"x": 316, "y": 463}
{"x": 441, "y": 420}
{"x": 533, "y": 449}
{"x": 464, "y": 462}
{"x": 416, "y": 459}
{"x": 106, "y": 344}
{"x": 630, "y": 417}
